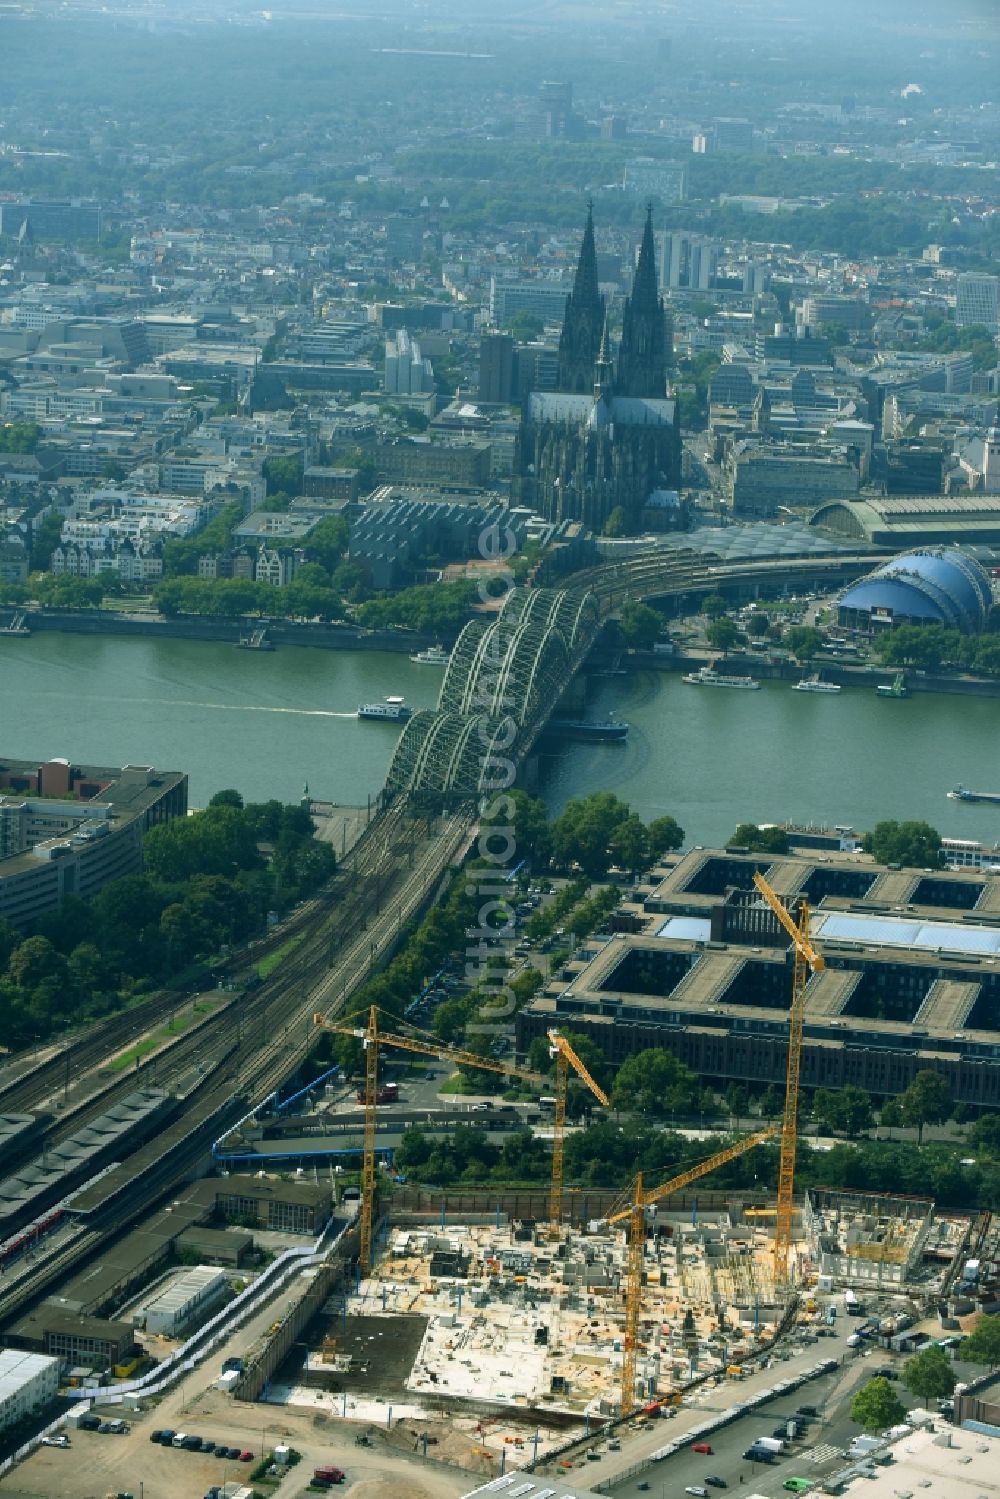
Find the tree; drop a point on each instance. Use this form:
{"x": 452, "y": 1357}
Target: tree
{"x": 655, "y": 1082}
{"x": 758, "y": 625}
{"x": 616, "y": 523}
{"x": 714, "y": 606}
{"x": 890, "y": 1114}
{"x": 639, "y": 625}
{"x": 665, "y": 834}
{"x": 929, "y": 1374}
{"x": 914, "y": 844}
{"x": 771, "y": 1102}
{"x": 982, "y": 1346}
{"x": 722, "y": 634}
{"x": 876, "y": 1406}
{"x": 220, "y": 840}
{"x": 327, "y": 542}
{"x": 737, "y": 1100}
{"x": 525, "y": 829}
{"x": 283, "y": 475}
{"x": 45, "y": 537}
{"x": 926, "y": 1101}
{"x": 587, "y": 1050}
{"x": 772, "y": 840}
{"x": 526, "y": 325}
{"x": 227, "y": 798}
{"x": 983, "y": 1136}
{"x": 19, "y": 437}
{"x": 582, "y": 833}
{"x": 847, "y": 1109}
{"x": 803, "y": 641}
{"x": 629, "y": 845}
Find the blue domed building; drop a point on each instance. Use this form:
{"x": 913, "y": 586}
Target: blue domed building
{"x": 940, "y": 587}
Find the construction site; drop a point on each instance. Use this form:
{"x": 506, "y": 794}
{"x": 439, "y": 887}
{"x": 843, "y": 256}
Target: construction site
{"x": 878, "y": 1240}
{"x": 496, "y": 1344}
{"x": 502, "y": 1337}
{"x": 532, "y": 1324}
{"x": 514, "y": 1319}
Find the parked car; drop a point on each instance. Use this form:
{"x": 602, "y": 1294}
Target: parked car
{"x": 56, "y": 1441}
{"x": 715, "y": 1482}
{"x": 233, "y": 1454}
{"x": 246, "y": 1456}
{"x": 696, "y": 1490}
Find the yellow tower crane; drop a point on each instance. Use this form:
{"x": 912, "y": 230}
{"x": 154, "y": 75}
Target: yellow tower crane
{"x": 807, "y": 960}
{"x": 565, "y": 1058}
{"x": 635, "y": 1212}
{"x": 372, "y": 1039}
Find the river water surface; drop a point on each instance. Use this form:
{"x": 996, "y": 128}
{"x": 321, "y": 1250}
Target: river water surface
{"x": 268, "y": 723}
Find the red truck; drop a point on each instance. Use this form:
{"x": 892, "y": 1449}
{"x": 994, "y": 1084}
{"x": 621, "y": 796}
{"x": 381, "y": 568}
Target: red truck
{"x": 388, "y": 1093}
{"x": 329, "y": 1475}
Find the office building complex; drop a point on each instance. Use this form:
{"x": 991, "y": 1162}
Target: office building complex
{"x": 547, "y": 299}
{"x": 687, "y": 261}
{"x": 68, "y": 830}
{"x": 407, "y": 373}
{"x": 52, "y": 219}
{"x": 911, "y": 979}
{"x": 977, "y": 300}
{"x": 28, "y": 1381}
{"x": 497, "y": 368}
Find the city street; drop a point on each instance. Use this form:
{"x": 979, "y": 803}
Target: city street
{"x": 685, "y": 1468}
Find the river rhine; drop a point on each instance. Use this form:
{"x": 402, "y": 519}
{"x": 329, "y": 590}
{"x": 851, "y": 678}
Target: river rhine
{"x": 267, "y": 723}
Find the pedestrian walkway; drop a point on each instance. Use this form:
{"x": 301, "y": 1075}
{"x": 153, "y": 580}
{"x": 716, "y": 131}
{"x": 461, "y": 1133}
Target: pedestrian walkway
{"x": 824, "y": 1453}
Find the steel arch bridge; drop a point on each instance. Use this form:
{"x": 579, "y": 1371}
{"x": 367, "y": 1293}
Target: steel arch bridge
{"x": 502, "y": 682}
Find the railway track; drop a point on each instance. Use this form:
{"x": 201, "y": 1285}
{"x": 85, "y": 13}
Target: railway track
{"x": 394, "y": 878}
{"x": 83, "y": 1054}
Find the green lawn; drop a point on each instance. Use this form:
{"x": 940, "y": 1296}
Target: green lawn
{"x": 180, "y": 1022}
{"x": 267, "y": 965}
{"x": 136, "y": 604}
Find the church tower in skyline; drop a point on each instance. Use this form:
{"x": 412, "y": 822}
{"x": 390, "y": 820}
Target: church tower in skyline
{"x": 642, "y": 353}
{"x": 583, "y": 323}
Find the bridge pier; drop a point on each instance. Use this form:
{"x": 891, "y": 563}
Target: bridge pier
{"x": 529, "y": 774}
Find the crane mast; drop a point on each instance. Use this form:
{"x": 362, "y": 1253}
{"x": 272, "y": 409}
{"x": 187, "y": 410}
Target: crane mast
{"x": 806, "y": 960}
{"x": 372, "y": 1039}
{"x": 635, "y": 1212}
{"x": 565, "y": 1058}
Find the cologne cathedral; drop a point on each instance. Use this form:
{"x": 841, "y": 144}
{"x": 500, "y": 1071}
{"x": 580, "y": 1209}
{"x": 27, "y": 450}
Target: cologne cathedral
{"x": 608, "y": 437}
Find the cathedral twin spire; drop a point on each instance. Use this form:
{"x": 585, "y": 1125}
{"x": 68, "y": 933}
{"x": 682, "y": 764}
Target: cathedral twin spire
{"x": 583, "y": 322}
{"x": 642, "y": 354}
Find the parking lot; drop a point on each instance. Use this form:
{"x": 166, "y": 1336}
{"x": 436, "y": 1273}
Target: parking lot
{"x": 819, "y": 1450}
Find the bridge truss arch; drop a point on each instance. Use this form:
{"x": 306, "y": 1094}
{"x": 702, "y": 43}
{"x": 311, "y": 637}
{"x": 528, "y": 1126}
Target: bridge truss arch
{"x": 502, "y": 682}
